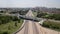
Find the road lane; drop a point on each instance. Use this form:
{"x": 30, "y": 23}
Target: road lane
{"x": 35, "y": 30}
{"x": 26, "y": 27}
{"x": 30, "y": 30}
{"x": 32, "y": 27}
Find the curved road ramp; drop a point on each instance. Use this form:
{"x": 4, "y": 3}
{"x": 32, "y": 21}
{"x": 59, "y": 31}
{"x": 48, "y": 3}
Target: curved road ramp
{"x": 31, "y": 27}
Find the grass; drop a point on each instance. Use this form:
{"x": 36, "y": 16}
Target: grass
{"x": 35, "y": 14}
{"x": 52, "y": 25}
{"x": 10, "y": 27}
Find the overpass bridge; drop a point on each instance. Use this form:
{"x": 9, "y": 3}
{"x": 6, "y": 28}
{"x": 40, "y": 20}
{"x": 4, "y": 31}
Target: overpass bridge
{"x": 27, "y": 16}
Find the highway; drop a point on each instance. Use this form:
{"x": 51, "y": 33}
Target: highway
{"x": 32, "y": 27}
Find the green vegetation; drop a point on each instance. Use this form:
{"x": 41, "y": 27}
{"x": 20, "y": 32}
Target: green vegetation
{"x": 41, "y": 14}
{"x": 49, "y": 16}
{"x": 2, "y": 11}
{"x": 23, "y": 12}
{"x": 35, "y": 14}
{"x": 52, "y": 25}
{"x": 6, "y": 19}
{"x": 9, "y": 24}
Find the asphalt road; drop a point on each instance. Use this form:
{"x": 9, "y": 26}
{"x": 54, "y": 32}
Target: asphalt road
{"x": 35, "y": 30}
{"x": 26, "y": 27}
{"x": 32, "y": 27}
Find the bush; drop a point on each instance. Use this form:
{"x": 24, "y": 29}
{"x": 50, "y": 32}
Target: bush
{"x": 52, "y": 25}
{"x": 6, "y": 19}
{"x": 16, "y": 23}
{"x": 49, "y": 16}
{"x": 41, "y": 14}
{"x": 6, "y": 32}
{"x": 8, "y": 26}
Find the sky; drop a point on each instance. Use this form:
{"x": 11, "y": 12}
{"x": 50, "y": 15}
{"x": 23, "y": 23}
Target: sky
{"x": 30, "y": 3}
